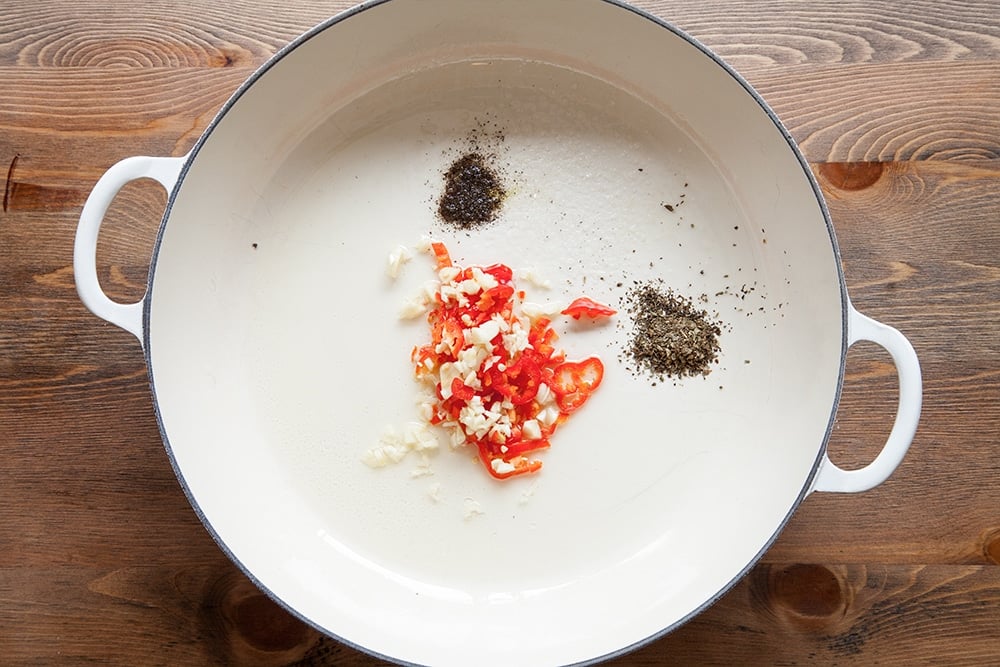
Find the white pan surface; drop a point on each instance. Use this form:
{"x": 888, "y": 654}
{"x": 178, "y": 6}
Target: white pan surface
{"x": 278, "y": 358}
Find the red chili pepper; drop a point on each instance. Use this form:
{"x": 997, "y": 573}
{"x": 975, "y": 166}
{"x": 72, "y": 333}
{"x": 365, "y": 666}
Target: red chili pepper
{"x": 449, "y": 332}
{"x": 574, "y": 381}
{"x": 461, "y": 391}
{"x": 494, "y": 297}
{"x": 522, "y": 447}
{"x": 441, "y": 255}
{"x": 520, "y": 463}
{"x": 543, "y": 338}
{"x": 501, "y": 272}
{"x": 519, "y": 381}
{"x": 516, "y": 386}
{"x": 585, "y": 306}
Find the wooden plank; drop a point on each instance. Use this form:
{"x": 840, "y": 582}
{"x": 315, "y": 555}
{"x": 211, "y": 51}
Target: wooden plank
{"x": 894, "y": 112}
{"x": 103, "y": 560}
{"x": 783, "y": 35}
{"x": 920, "y": 96}
{"x": 808, "y": 613}
{"x": 782, "y": 613}
{"x": 192, "y": 33}
{"x": 107, "y": 113}
{"x": 886, "y": 113}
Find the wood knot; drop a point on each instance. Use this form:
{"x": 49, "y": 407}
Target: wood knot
{"x": 991, "y": 546}
{"x": 244, "y": 626}
{"x": 810, "y": 597}
{"x": 231, "y": 58}
{"x": 852, "y": 175}
{"x": 266, "y": 626}
{"x": 808, "y": 590}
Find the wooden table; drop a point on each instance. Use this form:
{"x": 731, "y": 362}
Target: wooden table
{"x": 897, "y": 107}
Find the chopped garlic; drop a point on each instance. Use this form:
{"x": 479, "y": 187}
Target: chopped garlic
{"x": 472, "y": 358}
{"x": 383, "y": 455}
{"x": 450, "y": 293}
{"x": 412, "y": 309}
{"x": 430, "y": 289}
{"x": 448, "y": 373}
{"x": 472, "y": 508}
{"x": 516, "y": 341}
{"x": 502, "y": 323}
{"x": 532, "y": 277}
{"x": 472, "y": 380}
{"x": 464, "y": 353}
{"x": 501, "y": 467}
{"x": 423, "y": 468}
{"x": 482, "y": 334}
{"x": 531, "y": 430}
{"x": 397, "y": 257}
{"x": 485, "y": 280}
{"x": 548, "y": 416}
{"x": 477, "y": 419}
{"x": 433, "y": 492}
{"x": 426, "y": 410}
{"x": 394, "y": 447}
{"x": 448, "y": 273}
{"x": 418, "y": 437}
{"x": 547, "y": 309}
{"x": 457, "y": 437}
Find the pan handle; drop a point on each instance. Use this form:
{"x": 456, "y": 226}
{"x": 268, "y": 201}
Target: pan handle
{"x": 128, "y": 316}
{"x": 832, "y": 478}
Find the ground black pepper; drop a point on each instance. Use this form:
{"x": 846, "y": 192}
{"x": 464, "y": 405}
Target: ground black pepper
{"x": 670, "y": 336}
{"x": 473, "y": 192}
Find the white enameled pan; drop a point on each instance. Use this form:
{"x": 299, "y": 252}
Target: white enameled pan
{"x": 276, "y": 355}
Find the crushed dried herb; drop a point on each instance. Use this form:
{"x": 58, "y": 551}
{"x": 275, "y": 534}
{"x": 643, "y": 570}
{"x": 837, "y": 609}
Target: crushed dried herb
{"x": 670, "y": 336}
{"x": 473, "y": 192}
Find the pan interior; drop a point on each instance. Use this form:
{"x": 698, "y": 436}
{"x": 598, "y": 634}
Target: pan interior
{"x": 278, "y": 356}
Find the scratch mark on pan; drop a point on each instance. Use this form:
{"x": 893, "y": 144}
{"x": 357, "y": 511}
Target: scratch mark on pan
{"x": 674, "y": 470}
{"x": 10, "y": 179}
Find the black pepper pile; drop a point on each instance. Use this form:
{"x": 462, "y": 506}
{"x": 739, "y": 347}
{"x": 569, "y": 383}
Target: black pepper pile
{"x": 473, "y": 192}
{"x": 670, "y": 337}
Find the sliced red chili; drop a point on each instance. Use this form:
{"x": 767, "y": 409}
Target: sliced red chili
{"x": 522, "y": 447}
{"x": 520, "y": 463}
{"x": 501, "y": 272}
{"x": 441, "y": 255}
{"x": 520, "y": 380}
{"x": 574, "y": 381}
{"x": 587, "y": 307}
{"x": 461, "y": 391}
{"x": 542, "y": 338}
{"x": 451, "y": 333}
{"x": 493, "y": 297}
{"x": 516, "y": 386}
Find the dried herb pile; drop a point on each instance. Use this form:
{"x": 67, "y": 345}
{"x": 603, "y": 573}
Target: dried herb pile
{"x": 670, "y": 336}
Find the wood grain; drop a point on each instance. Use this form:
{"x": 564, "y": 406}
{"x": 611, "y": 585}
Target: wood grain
{"x": 896, "y": 106}
{"x": 782, "y": 613}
